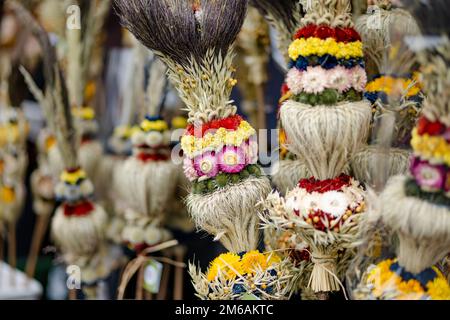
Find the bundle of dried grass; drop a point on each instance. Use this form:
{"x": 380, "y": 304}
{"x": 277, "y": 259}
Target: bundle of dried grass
{"x": 147, "y": 179}
{"x": 422, "y": 224}
{"x": 78, "y": 225}
{"x": 395, "y": 112}
{"x": 197, "y": 51}
{"x": 380, "y": 28}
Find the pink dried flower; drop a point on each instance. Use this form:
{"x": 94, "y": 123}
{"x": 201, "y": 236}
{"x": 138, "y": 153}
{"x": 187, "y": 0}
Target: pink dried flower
{"x": 232, "y": 159}
{"x": 206, "y": 164}
{"x": 294, "y": 81}
{"x": 314, "y": 80}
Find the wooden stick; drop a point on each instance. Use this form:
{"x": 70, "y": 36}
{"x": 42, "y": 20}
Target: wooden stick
{"x": 73, "y": 294}
{"x": 38, "y": 236}
{"x": 323, "y": 296}
{"x": 162, "y": 294}
{"x": 148, "y": 295}
{"x": 261, "y": 102}
{"x": 140, "y": 283}
{"x": 180, "y": 253}
{"x": 12, "y": 259}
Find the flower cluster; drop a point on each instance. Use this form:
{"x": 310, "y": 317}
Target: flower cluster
{"x": 326, "y": 61}
{"x": 316, "y": 46}
{"x": 430, "y": 177}
{"x": 154, "y": 124}
{"x": 327, "y": 204}
{"x": 247, "y": 272}
{"x": 214, "y": 139}
{"x": 226, "y": 159}
{"x": 219, "y": 152}
{"x": 389, "y": 281}
{"x": 151, "y": 140}
{"x": 323, "y": 32}
{"x": 431, "y": 163}
{"x": 74, "y": 187}
{"x": 73, "y": 177}
{"x": 322, "y": 186}
{"x": 384, "y": 86}
{"x": 230, "y": 123}
{"x": 232, "y": 265}
{"x": 246, "y": 275}
{"x": 326, "y": 66}
{"x": 317, "y": 79}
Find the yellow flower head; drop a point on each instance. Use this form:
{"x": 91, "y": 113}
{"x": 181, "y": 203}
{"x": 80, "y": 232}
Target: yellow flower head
{"x": 226, "y": 264}
{"x": 50, "y": 141}
{"x": 154, "y": 125}
{"x": 319, "y": 47}
{"x": 7, "y": 195}
{"x": 89, "y": 91}
{"x": 253, "y": 261}
{"x": 124, "y": 131}
{"x": 84, "y": 113}
{"x": 73, "y": 177}
{"x": 179, "y": 123}
{"x": 272, "y": 258}
{"x": 439, "y": 289}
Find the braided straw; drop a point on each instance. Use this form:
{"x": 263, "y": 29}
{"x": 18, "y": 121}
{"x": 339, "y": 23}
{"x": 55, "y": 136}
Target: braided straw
{"x": 334, "y": 13}
{"x": 326, "y": 136}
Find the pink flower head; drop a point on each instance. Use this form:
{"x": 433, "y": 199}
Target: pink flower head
{"x": 232, "y": 159}
{"x": 294, "y": 81}
{"x": 314, "y": 80}
{"x": 340, "y": 79}
{"x": 359, "y": 78}
{"x": 189, "y": 170}
{"x": 206, "y": 164}
{"x": 251, "y": 154}
{"x": 428, "y": 177}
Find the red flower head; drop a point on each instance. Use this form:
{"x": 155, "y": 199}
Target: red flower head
{"x": 306, "y": 32}
{"x": 230, "y": 123}
{"x": 322, "y": 186}
{"x": 284, "y": 89}
{"x": 432, "y": 128}
{"x": 352, "y": 34}
{"x": 324, "y": 32}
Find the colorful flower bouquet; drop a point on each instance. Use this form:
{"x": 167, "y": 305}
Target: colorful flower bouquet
{"x": 324, "y": 215}
{"x": 326, "y": 82}
{"x": 414, "y": 208}
{"x": 247, "y": 275}
{"x": 387, "y": 280}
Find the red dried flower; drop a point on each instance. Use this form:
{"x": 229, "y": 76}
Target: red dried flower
{"x": 324, "y": 32}
{"x": 306, "y": 32}
{"x": 79, "y": 209}
{"x": 352, "y": 34}
{"x": 425, "y": 126}
{"x": 284, "y": 89}
{"x": 230, "y": 123}
{"x": 322, "y": 186}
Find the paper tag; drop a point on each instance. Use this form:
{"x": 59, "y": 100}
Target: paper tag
{"x": 152, "y": 276}
{"x": 249, "y": 296}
